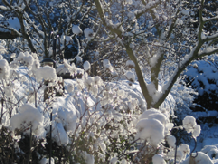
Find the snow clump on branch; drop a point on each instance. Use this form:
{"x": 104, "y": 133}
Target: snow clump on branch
{"x": 27, "y": 117}
{"x": 86, "y": 66}
{"x": 171, "y": 140}
{"x": 46, "y": 73}
{"x": 130, "y": 76}
{"x": 153, "y": 126}
{"x": 189, "y": 123}
{"x": 107, "y": 66}
{"x": 182, "y": 152}
{"x": 157, "y": 159}
{"x": 64, "y": 123}
{"x": 4, "y": 69}
{"x": 66, "y": 68}
{"x": 130, "y": 64}
{"x": 89, "y": 33}
{"x": 26, "y": 59}
{"x": 151, "y": 130}
{"x": 92, "y": 84}
{"x": 156, "y": 114}
{"x": 76, "y": 30}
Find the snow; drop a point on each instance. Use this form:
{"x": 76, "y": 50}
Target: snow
{"x": 155, "y": 58}
{"x": 185, "y": 12}
{"x": 67, "y": 117}
{"x": 89, "y": 33}
{"x": 4, "y": 69}
{"x": 171, "y": 140}
{"x": 131, "y": 15}
{"x": 89, "y": 159}
{"x": 46, "y": 161}
{"x": 130, "y": 75}
{"x": 205, "y": 82}
{"x": 128, "y": 1}
{"x": 107, "y": 64}
{"x": 70, "y": 88}
{"x": 206, "y": 149}
{"x": 46, "y": 73}
{"x": 197, "y": 131}
{"x": 213, "y": 153}
{"x": 96, "y": 54}
{"x": 8, "y": 91}
{"x": 89, "y": 82}
{"x": 151, "y": 130}
{"x": 153, "y": 125}
{"x": 157, "y": 159}
{"x": 90, "y": 97}
{"x": 200, "y": 159}
{"x": 130, "y": 63}
{"x": 2, "y": 50}
{"x": 182, "y": 152}
{"x": 3, "y": 8}
{"x": 13, "y": 55}
{"x": 189, "y": 123}
{"x": 156, "y": 114}
{"x": 79, "y": 60}
{"x": 76, "y": 30}
{"x": 146, "y": 113}
{"x": 184, "y": 148}
{"x": 113, "y": 160}
{"x": 27, "y": 117}
{"x": 59, "y": 134}
{"x": 86, "y": 66}
{"x": 65, "y": 68}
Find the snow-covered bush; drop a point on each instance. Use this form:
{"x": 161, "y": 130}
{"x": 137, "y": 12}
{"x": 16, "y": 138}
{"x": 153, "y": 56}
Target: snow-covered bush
{"x": 92, "y": 117}
{"x": 154, "y": 129}
{"x": 201, "y": 75}
{"x": 93, "y": 122}
{"x": 142, "y": 30}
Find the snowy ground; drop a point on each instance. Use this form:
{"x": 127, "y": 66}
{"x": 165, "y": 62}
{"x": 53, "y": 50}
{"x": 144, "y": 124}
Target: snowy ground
{"x": 208, "y": 138}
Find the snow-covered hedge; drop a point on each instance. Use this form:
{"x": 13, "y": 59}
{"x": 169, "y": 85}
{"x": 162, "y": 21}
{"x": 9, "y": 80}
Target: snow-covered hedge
{"x": 92, "y": 122}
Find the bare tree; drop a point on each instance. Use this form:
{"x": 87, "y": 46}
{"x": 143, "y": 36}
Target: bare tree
{"x": 165, "y": 31}
{"x": 43, "y": 21}
{"x": 154, "y": 34}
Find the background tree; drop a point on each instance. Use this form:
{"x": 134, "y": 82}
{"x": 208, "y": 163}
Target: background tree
{"x": 161, "y": 38}
{"x": 166, "y": 36}
{"x": 42, "y": 22}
